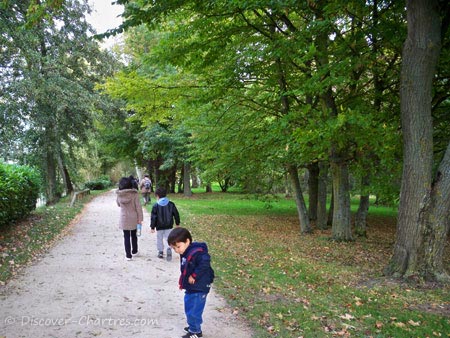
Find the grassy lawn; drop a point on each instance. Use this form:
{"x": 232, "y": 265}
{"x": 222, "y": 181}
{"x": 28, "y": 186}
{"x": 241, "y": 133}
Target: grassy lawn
{"x": 292, "y": 285}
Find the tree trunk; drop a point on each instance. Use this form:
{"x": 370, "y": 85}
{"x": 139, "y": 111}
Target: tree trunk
{"x": 50, "y": 178}
{"x": 208, "y": 187}
{"x": 436, "y": 224}
{"x": 194, "y": 178}
{"x": 187, "y": 180}
{"x": 65, "y": 174}
{"x": 331, "y": 211}
{"x": 322, "y": 196}
{"x": 299, "y": 200}
{"x": 313, "y": 190}
{"x": 363, "y": 209}
{"x": 423, "y": 218}
{"x": 341, "y": 228}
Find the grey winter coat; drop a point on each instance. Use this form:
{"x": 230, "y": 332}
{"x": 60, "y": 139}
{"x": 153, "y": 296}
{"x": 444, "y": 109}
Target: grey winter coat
{"x": 130, "y": 208}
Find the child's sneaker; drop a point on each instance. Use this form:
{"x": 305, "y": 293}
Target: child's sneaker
{"x": 192, "y": 335}
{"x": 160, "y": 254}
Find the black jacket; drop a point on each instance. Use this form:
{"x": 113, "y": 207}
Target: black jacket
{"x": 163, "y": 215}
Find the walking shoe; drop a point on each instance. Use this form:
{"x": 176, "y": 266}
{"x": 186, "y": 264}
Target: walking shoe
{"x": 129, "y": 258}
{"x": 169, "y": 252}
{"x": 135, "y": 253}
{"x": 192, "y": 335}
{"x": 160, "y": 254}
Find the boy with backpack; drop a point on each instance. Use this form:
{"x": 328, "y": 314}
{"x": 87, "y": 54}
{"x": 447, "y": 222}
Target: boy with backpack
{"x": 164, "y": 215}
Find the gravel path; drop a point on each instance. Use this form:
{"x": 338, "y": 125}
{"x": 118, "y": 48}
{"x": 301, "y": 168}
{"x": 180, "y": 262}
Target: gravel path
{"x": 84, "y": 287}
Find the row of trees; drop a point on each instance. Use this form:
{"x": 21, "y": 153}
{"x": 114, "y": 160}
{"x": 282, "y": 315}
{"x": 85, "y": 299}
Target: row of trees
{"x": 261, "y": 89}
{"x": 49, "y": 66}
{"x": 250, "y": 92}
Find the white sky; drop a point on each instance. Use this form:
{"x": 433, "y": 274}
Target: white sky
{"x": 104, "y": 16}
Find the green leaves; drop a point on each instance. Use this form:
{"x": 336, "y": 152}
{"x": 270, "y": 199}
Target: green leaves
{"x": 19, "y": 190}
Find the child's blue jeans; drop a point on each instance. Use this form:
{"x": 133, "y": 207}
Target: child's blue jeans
{"x": 194, "y": 304}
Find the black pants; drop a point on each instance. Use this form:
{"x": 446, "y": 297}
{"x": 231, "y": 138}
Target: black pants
{"x": 127, "y": 235}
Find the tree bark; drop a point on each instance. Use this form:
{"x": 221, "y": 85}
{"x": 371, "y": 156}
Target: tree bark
{"x": 322, "y": 217}
{"x": 299, "y": 200}
{"x": 331, "y": 211}
{"x": 423, "y": 218}
{"x": 313, "y": 190}
{"x": 208, "y": 187}
{"x": 194, "y": 178}
{"x": 50, "y": 175}
{"x": 341, "y": 228}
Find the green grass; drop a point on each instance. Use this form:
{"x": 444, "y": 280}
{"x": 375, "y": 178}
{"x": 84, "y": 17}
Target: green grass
{"x": 291, "y": 285}
{"x": 22, "y": 242}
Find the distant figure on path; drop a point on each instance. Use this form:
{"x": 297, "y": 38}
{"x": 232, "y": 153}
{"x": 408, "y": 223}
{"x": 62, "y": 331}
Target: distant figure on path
{"x": 196, "y": 278}
{"x": 164, "y": 212}
{"x": 146, "y": 188}
{"x": 130, "y": 214}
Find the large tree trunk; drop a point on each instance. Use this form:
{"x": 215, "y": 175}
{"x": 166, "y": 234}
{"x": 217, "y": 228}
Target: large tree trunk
{"x": 423, "y": 218}
{"x": 341, "y": 228}
{"x": 322, "y": 197}
{"x": 313, "y": 190}
{"x": 299, "y": 200}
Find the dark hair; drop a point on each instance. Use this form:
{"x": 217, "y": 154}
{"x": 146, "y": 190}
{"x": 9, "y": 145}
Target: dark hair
{"x": 161, "y": 192}
{"x": 178, "y": 235}
{"x": 134, "y": 183}
{"x": 125, "y": 183}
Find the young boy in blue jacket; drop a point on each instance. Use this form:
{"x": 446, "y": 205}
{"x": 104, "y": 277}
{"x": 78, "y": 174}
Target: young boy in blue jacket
{"x": 196, "y": 277}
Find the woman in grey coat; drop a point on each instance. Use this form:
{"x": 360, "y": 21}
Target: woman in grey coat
{"x": 130, "y": 215}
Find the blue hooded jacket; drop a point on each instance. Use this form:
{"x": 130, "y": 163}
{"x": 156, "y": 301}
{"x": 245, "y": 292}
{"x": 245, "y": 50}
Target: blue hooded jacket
{"x": 196, "y": 262}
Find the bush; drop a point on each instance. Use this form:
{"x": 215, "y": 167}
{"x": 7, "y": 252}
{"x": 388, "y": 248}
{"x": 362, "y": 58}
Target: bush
{"x": 19, "y": 191}
{"x": 100, "y": 183}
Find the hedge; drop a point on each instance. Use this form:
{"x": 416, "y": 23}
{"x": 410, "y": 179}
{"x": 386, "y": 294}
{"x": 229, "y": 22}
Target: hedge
{"x": 19, "y": 191}
{"x": 100, "y": 183}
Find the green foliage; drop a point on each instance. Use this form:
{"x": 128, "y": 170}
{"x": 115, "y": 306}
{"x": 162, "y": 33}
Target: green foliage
{"x": 101, "y": 183}
{"x": 49, "y": 69}
{"x": 19, "y": 191}
{"x": 254, "y": 105}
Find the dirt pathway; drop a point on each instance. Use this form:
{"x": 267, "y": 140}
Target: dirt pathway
{"x": 84, "y": 287}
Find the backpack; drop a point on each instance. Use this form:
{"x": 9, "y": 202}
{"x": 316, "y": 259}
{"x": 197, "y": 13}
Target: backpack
{"x": 147, "y": 184}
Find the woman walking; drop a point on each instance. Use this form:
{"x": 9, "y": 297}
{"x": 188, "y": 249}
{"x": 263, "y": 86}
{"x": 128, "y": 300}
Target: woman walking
{"x": 130, "y": 215}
